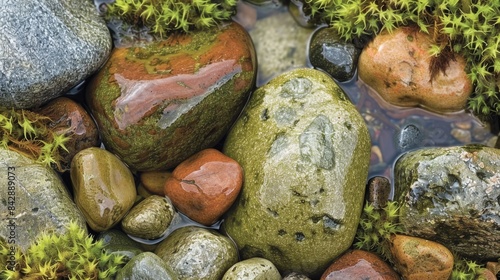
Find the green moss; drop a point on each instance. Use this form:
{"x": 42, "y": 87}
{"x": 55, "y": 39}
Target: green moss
{"x": 469, "y": 28}
{"x": 376, "y": 227}
{"x": 30, "y": 134}
{"x": 72, "y": 255}
{"x": 464, "y": 269}
{"x": 164, "y": 16}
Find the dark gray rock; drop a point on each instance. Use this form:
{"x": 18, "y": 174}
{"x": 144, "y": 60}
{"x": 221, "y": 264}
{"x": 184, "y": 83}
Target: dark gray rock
{"x": 47, "y": 47}
{"x": 452, "y": 196}
{"x": 333, "y": 55}
{"x": 33, "y": 199}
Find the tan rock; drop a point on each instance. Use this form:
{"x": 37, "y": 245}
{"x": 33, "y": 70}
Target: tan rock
{"x": 397, "y": 67}
{"x": 104, "y": 187}
{"x": 416, "y": 258}
{"x": 154, "y": 181}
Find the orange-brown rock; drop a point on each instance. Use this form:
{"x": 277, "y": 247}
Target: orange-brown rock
{"x": 359, "y": 264}
{"x": 71, "y": 118}
{"x": 205, "y": 185}
{"x": 416, "y": 258}
{"x": 154, "y": 181}
{"x": 160, "y": 103}
{"x": 397, "y": 66}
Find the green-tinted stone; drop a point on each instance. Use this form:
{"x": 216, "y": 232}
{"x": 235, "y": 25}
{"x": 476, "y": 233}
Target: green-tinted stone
{"x": 150, "y": 218}
{"x": 158, "y": 104}
{"x": 451, "y": 195}
{"x": 33, "y": 199}
{"x": 254, "y": 268}
{"x": 198, "y": 253}
{"x": 305, "y": 151}
{"x": 146, "y": 266}
{"x": 104, "y": 187}
{"x": 117, "y": 242}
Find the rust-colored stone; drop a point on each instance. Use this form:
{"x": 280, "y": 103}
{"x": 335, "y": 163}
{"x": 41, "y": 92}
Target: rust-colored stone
{"x": 416, "y": 258}
{"x": 71, "y": 118}
{"x": 204, "y": 186}
{"x": 397, "y": 66}
{"x": 359, "y": 264}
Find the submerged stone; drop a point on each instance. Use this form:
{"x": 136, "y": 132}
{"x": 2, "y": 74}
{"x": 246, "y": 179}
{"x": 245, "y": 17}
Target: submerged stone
{"x": 33, "y": 200}
{"x": 47, "y": 47}
{"x": 158, "y": 104}
{"x": 451, "y": 195}
{"x": 305, "y": 152}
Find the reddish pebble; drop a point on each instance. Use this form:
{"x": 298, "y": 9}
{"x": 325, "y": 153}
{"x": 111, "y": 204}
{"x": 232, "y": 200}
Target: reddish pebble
{"x": 204, "y": 186}
{"x": 359, "y": 264}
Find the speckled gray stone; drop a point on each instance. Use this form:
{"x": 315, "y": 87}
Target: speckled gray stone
{"x": 252, "y": 269}
{"x": 196, "y": 253}
{"x": 48, "y": 47}
{"x": 146, "y": 266}
{"x": 451, "y": 195}
{"x": 33, "y": 199}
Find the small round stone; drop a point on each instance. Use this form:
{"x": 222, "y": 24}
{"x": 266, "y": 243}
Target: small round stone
{"x": 254, "y": 268}
{"x": 150, "y": 218}
{"x": 146, "y": 266}
{"x": 196, "y": 253}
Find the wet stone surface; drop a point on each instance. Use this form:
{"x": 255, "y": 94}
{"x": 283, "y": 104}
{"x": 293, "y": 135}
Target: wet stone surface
{"x": 305, "y": 180}
{"x": 450, "y": 195}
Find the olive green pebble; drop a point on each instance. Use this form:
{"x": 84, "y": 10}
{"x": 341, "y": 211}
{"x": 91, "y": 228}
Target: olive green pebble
{"x": 146, "y": 266}
{"x": 150, "y": 218}
{"x": 196, "y": 253}
{"x": 254, "y": 268}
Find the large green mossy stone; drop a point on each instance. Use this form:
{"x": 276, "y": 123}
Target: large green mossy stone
{"x": 305, "y": 152}
{"x": 452, "y": 196}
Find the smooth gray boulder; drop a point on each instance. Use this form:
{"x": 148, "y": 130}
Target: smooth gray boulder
{"x": 47, "y": 47}
{"x": 33, "y": 200}
{"x": 452, "y": 196}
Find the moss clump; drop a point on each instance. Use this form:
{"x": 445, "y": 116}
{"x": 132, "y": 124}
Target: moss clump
{"x": 469, "y": 28}
{"x": 30, "y": 134}
{"x": 466, "y": 269}
{"x": 73, "y": 255}
{"x": 164, "y": 16}
{"x": 376, "y": 227}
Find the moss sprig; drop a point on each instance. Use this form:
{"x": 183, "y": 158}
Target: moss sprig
{"x": 164, "y": 16}
{"x": 468, "y": 28}
{"x": 29, "y": 133}
{"x": 73, "y": 255}
{"x": 464, "y": 269}
{"x": 376, "y": 227}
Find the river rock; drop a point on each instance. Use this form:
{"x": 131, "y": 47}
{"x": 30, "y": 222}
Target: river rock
{"x": 104, "y": 187}
{"x": 333, "y": 55}
{"x": 47, "y": 47}
{"x": 154, "y": 181}
{"x": 281, "y": 45}
{"x": 158, "y": 104}
{"x": 117, "y": 242}
{"x": 150, "y": 218}
{"x": 197, "y": 253}
{"x": 254, "y": 268}
{"x": 450, "y": 195}
{"x": 146, "y": 266}
{"x": 205, "y": 185}
{"x": 359, "y": 264}
{"x": 304, "y": 149}
{"x": 71, "y": 118}
{"x": 416, "y": 258}
{"x": 295, "y": 276}
{"x": 34, "y": 200}
{"x": 397, "y": 66}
